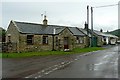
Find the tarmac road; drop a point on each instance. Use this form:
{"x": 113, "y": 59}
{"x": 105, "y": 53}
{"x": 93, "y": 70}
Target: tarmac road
{"x": 22, "y": 67}
{"x": 99, "y": 64}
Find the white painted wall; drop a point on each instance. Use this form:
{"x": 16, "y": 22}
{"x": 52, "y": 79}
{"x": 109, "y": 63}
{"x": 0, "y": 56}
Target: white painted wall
{"x": 107, "y": 40}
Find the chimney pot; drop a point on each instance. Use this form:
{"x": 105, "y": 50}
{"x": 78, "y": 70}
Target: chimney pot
{"x": 45, "y": 20}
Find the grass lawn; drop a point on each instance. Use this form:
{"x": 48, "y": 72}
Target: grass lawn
{"x": 46, "y": 53}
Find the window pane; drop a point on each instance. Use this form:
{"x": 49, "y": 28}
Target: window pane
{"x": 29, "y": 39}
{"x": 45, "y": 39}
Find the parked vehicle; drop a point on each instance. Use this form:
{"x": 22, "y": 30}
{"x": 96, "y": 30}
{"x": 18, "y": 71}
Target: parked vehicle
{"x": 118, "y": 42}
{"x": 113, "y": 41}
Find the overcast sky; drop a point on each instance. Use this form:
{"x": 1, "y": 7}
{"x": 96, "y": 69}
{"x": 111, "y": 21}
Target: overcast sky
{"x": 60, "y": 12}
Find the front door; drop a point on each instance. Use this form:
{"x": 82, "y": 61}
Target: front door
{"x": 66, "y": 43}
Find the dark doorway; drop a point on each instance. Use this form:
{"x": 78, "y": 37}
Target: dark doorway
{"x": 94, "y": 42}
{"x": 66, "y": 43}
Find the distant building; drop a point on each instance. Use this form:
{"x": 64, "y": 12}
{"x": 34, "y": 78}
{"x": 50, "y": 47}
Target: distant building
{"x": 104, "y": 38}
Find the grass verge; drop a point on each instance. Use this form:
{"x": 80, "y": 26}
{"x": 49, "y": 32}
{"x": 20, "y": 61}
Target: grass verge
{"x": 46, "y": 53}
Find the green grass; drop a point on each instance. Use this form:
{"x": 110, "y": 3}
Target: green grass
{"x": 46, "y": 53}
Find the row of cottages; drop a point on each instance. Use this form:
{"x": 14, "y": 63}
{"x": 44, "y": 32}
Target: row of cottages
{"x": 38, "y": 37}
{"x": 99, "y": 38}
{"x": 105, "y": 38}
{"x": 23, "y": 36}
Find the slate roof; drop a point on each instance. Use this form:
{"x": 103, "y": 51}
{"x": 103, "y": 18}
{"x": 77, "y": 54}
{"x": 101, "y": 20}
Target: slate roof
{"x": 98, "y": 33}
{"x": 104, "y": 34}
{"x": 85, "y": 32}
{"x": 33, "y": 28}
{"x": 76, "y": 31}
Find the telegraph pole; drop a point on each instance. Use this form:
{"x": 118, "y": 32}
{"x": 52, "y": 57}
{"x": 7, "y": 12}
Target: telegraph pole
{"x": 88, "y": 15}
{"x": 87, "y": 19}
{"x": 87, "y": 24}
{"x": 119, "y": 15}
{"x": 92, "y": 27}
{"x": 92, "y": 18}
{"x": 92, "y": 36}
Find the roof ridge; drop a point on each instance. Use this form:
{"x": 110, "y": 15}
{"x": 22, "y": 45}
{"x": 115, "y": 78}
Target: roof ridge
{"x": 57, "y": 25}
{"x": 27, "y": 23}
{"x": 42, "y": 24}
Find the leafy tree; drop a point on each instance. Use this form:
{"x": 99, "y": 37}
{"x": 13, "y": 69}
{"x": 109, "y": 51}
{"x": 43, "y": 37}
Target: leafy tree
{"x": 2, "y": 34}
{"x": 115, "y": 32}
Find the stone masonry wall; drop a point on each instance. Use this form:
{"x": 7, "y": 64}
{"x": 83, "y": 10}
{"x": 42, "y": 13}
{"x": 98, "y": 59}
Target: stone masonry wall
{"x": 71, "y": 38}
{"x": 14, "y": 37}
{"x": 38, "y": 46}
{"x": 37, "y": 43}
{"x": 22, "y": 46}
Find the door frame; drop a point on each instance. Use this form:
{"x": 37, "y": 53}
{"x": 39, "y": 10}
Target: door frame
{"x": 66, "y": 42}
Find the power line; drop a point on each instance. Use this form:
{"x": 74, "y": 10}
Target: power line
{"x": 106, "y": 6}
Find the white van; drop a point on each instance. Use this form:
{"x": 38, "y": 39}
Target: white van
{"x": 113, "y": 41}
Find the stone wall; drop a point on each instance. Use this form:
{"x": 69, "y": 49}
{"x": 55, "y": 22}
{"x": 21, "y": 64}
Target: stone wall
{"x": 58, "y": 44}
{"x": 71, "y": 38}
{"x": 37, "y": 43}
{"x": 99, "y": 41}
{"x": 81, "y": 45}
{"x": 14, "y": 35}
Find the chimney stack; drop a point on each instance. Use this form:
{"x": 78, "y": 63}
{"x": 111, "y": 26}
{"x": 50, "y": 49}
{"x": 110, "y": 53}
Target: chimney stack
{"x": 101, "y": 30}
{"x": 86, "y": 26}
{"x": 45, "y": 21}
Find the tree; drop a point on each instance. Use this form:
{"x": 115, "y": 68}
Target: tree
{"x": 2, "y": 34}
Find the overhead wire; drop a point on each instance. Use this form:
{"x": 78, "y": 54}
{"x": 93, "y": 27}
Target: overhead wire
{"x": 106, "y": 6}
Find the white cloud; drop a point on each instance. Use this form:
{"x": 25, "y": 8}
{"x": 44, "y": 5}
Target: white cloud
{"x": 119, "y": 15}
{"x": 61, "y": 13}
{"x": 59, "y": 0}
{"x": 1, "y": 14}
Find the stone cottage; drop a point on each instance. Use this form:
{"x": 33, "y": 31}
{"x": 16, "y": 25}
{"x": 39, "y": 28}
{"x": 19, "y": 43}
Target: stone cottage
{"x": 105, "y": 38}
{"x": 39, "y": 37}
{"x": 100, "y": 38}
